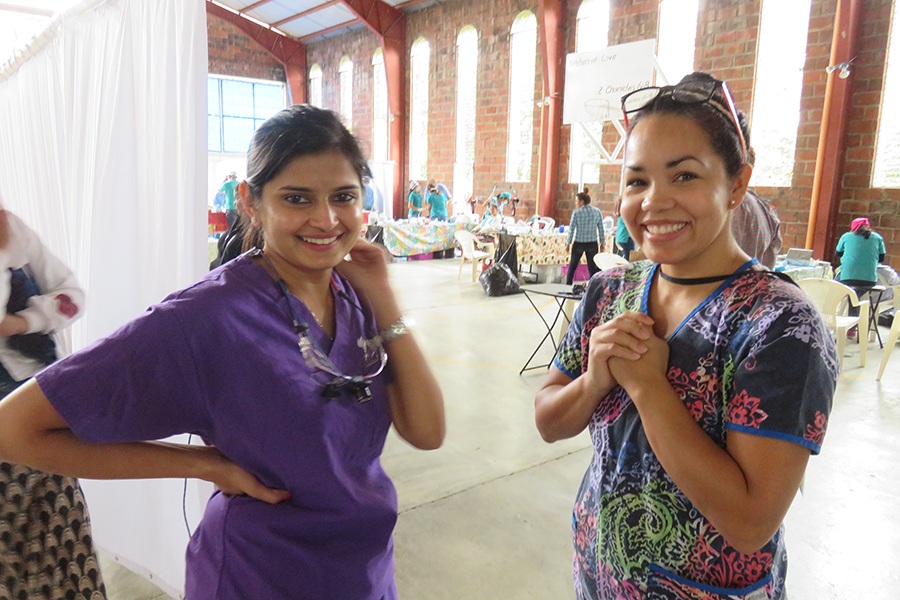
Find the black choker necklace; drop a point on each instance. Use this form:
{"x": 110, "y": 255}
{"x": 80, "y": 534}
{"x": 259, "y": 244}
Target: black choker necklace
{"x": 693, "y": 280}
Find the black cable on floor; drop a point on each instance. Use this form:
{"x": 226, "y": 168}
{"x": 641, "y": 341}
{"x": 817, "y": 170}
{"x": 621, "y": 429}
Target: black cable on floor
{"x": 184, "y": 497}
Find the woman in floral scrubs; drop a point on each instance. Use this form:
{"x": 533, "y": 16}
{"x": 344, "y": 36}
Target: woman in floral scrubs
{"x": 704, "y": 380}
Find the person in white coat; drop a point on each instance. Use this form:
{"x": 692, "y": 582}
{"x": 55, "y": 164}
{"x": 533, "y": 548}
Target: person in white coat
{"x": 46, "y": 549}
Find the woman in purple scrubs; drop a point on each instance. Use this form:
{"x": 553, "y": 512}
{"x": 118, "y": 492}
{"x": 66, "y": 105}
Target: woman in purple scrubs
{"x": 290, "y": 362}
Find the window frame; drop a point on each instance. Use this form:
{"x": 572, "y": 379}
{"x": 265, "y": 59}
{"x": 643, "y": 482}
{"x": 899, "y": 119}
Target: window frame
{"x": 254, "y": 119}
{"x": 519, "y": 153}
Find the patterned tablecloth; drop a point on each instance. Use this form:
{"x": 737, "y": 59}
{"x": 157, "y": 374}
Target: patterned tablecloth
{"x": 543, "y": 249}
{"x": 416, "y": 236}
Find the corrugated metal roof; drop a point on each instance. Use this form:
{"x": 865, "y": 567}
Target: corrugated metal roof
{"x": 309, "y": 20}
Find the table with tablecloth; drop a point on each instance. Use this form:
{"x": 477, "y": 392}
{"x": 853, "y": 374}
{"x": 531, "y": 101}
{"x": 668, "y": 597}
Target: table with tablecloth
{"x": 817, "y": 270}
{"x": 410, "y": 237}
{"x": 541, "y": 253}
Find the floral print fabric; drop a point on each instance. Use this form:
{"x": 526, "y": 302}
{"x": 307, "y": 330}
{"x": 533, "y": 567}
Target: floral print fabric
{"x": 543, "y": 249}
{"x": 418, "y": 236}
{"x": 754, "y": 357}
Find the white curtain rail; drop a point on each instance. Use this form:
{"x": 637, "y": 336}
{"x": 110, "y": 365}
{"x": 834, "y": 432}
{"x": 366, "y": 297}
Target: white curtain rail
{"x": 41, "y": 40}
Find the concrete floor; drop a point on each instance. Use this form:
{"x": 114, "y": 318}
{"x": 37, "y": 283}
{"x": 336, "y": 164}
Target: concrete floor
{"x": 488, "y": 515}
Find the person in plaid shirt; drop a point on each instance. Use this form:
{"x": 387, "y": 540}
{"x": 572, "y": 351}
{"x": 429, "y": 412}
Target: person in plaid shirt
{"x": 586, "y": 227}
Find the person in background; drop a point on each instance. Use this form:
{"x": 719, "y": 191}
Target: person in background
{"x": 46, "y": 546}
{"x": 706, "y": 381}
{"x": 623, "y": 238}
{"x": 369, "y": 196}
{"x": 443, "y": 189}
{"x": 756, "y": 226}
{"x": 585, "y": 231}
{"x": 491, "y": 219}
{"x": 437, "y": 204}
{"x": 218, "y": 203}
{"x": 414, "y": 200}
{"x": 859, "y": 252}
{"x": 514, "y": 203}
{"x": 230, "y": 244}
{"x": 503, "y": 198}
{"x": 228, "y": 186}
{"x": 290, "y": 362}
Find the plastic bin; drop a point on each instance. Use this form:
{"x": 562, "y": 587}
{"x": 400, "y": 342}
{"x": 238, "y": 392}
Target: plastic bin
{"x": 582, "y": 273}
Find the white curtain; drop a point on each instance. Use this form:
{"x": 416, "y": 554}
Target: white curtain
{"x": 103, "y": 153}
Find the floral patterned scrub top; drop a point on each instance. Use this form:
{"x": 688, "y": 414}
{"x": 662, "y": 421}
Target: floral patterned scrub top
{"x": 753, "y": 357}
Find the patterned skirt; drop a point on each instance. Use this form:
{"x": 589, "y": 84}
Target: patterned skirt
{"x": 46, "y": 550}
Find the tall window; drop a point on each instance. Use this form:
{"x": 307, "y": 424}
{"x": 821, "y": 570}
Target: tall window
{"x": 380, "y": 99}
{"x": 776, "y": 95}
{"x": 677, "y": 37}
{"x": 315, "y": 85}
{"x": 591, "y": 34}
{"x": 236, "y": 107}
{"x": 466, "y": 94}
{"x": 345, "y": 76}
{"x": 522, "y": 50}
{"x": 420, "y": 57}
{"x": 887, "y": 148}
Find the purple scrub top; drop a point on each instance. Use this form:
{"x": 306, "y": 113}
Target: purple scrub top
{"x": 220, "y": 359}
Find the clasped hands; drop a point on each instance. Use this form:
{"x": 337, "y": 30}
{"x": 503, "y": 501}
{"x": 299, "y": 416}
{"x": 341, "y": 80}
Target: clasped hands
{"x": 627, "y": 352}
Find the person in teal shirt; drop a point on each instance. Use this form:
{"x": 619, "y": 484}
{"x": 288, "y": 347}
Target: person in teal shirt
{"x": 437, "y": 204}
{"x": 228, "y": 186}
{"x": 414, "y": 202}
{"x": 860, "y": 250}
{"x": 623, "y": 238}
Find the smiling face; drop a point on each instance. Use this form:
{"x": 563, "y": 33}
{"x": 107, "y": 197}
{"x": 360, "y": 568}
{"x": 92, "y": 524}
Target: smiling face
{"x": 310, "y": 213}
{"x": 677, "y": 197}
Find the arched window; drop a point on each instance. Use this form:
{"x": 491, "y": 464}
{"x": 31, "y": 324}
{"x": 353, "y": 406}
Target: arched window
{"x": 315, "y": 85}
{"x": 886, "y": 173}
{"x": 591, "y": 34}
{"x": 345, "y": 89}
{"x": 466, "y": 96}
{"x": 420, "y": 56}
{"x": 380, "y": 99}
{"x": 522, "y": 51}
{"x": 776, "y": 95}
{"x": 677, "y": 37}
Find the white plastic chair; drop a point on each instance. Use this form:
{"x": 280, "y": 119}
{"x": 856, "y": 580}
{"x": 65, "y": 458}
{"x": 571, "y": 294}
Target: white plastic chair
{"x": 892, "y": 337}
{"x": 539, "y": 224}
{"x": 608, "y": 260}
{"x": 467, "y": 243}
{"x": 828, "y": 296}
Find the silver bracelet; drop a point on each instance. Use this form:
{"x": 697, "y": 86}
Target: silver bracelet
{"x": 398, "y": 328}
{"x": 401, "y": 326}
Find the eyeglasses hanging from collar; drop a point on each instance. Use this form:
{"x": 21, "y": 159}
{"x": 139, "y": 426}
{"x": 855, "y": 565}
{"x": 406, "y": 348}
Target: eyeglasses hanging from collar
{"x": 688, "y": 92}
{"x": 374, "y": 355}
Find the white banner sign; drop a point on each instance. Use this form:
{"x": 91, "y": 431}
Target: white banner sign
{"x": 596, "y": 81}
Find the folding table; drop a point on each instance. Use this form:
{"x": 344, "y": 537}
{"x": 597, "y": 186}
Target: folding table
{"x": 562, "y": 294}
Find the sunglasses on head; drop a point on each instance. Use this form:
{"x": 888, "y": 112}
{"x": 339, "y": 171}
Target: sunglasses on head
{"x": 687, "y": 92}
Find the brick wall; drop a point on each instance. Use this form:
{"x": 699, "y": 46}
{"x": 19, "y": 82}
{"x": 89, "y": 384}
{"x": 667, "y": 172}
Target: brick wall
{"x": 727, "y": 37}
{"x": 359, "y": 46}
{"x": 232, "y": 52}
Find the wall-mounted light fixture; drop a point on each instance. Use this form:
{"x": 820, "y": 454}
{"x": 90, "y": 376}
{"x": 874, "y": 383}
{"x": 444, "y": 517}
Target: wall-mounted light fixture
{"x": 843, "y": 69}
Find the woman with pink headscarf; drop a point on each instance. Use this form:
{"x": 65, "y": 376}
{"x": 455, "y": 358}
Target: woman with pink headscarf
{"x": 860, "y": 250}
